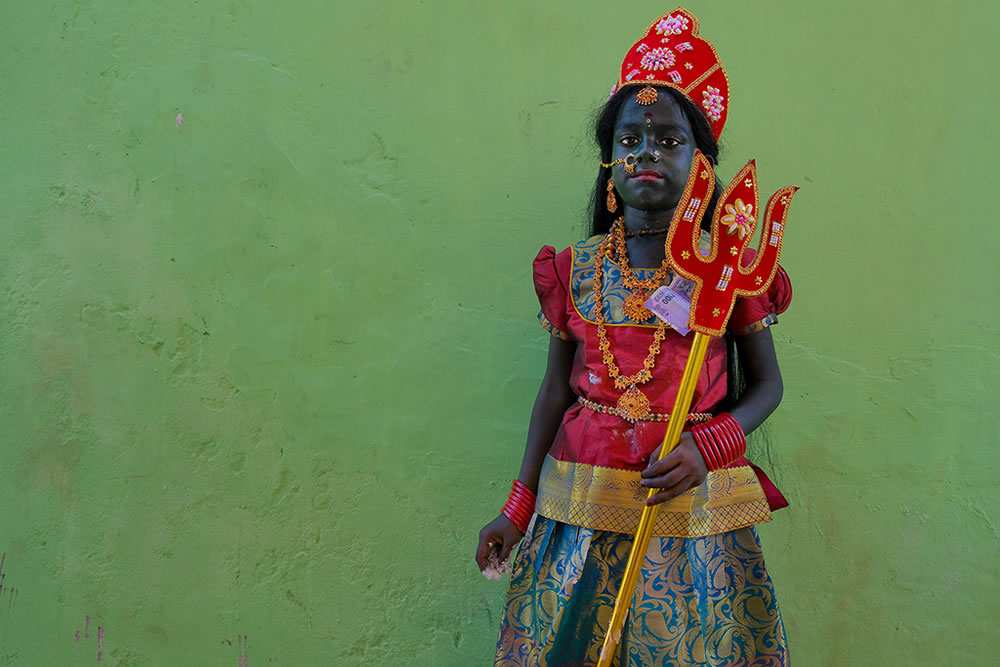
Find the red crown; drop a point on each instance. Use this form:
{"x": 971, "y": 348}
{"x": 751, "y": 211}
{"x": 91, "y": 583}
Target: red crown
{"x": 672, "y": 54}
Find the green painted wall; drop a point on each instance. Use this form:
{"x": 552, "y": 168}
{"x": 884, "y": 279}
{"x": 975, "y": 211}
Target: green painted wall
{"x": 267, "y": 327}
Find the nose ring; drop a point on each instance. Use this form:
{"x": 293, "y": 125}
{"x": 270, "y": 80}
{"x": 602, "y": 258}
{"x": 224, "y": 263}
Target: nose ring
{"x": 628, "y": 166}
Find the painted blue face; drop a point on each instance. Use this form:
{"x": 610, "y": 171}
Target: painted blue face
{"x": 660, "y": 137}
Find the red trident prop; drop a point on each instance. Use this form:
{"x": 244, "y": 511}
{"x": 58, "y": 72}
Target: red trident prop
{"x": 719, "y": 278}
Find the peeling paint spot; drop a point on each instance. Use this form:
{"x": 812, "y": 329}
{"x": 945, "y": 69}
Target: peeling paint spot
{"x": 179, "y": 121}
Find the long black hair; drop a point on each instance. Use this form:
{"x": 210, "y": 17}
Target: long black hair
{"x": 601, "y": 218}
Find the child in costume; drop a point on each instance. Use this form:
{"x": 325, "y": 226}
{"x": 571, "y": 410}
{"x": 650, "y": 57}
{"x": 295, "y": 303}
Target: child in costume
{"x": 704, "y": 596}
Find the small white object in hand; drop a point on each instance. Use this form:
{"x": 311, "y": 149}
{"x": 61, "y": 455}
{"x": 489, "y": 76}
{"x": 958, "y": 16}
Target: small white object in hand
{"x": 495, "y": 569}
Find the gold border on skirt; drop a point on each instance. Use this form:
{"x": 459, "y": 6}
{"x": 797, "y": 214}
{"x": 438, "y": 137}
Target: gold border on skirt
{"x": 611, "y": 499}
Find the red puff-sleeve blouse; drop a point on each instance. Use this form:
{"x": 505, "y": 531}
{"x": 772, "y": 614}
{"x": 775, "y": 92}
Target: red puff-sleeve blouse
{"x": 563, "y": 282}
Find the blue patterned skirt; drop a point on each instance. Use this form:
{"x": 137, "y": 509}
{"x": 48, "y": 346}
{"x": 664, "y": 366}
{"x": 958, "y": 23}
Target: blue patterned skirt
{"x": 704, "y": 601}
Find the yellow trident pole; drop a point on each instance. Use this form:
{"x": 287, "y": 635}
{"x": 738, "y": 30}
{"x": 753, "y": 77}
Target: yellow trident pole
{"x": 678, "y": 416}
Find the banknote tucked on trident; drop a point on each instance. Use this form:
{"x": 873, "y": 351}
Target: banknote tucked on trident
{"x": 672, "y": 303}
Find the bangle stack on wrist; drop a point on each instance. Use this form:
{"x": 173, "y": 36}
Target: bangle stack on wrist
{"x": 520, "y": 506}
{"x": 720, "y": 441}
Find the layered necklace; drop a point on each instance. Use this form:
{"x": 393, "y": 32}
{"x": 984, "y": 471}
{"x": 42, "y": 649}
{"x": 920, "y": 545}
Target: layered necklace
{"x": 632, "y": 402}
{"x": 634, "y": 304}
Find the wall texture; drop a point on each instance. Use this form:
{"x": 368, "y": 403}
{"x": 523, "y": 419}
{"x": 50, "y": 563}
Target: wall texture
{"x": 267, "y": 328}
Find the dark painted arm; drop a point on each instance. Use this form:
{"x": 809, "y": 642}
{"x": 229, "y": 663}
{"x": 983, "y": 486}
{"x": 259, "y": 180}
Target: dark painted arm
{"x": 763, "y": 380}
{"x": 554, "y": 398}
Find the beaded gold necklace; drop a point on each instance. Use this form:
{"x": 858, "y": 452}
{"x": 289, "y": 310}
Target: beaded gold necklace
{"x": 634, "y": 307}
{"x": 632, "y": 402}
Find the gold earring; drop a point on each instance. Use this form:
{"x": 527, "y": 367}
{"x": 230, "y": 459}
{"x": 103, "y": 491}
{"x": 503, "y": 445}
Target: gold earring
{"x": 612, "y": 202}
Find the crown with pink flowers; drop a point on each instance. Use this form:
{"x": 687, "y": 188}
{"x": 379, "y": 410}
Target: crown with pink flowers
{"x": 673, "y": 54}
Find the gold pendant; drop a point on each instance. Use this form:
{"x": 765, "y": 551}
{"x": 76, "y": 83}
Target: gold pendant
{"x": 634, "y": 308}
{"x": 633, "y": 405}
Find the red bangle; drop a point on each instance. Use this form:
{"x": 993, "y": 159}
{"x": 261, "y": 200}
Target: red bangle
{"x": 712, "y": 445}
{"x": 521, "y": 486}
{"x": 721, "y": 441}
{"x": 737, "y": 431}
{"x": 727, "y": 445}
{"x": 732, "y": 428}
{"x": 520, "y": 506}
{"x": 521, "y": 492}
{"x": 731, "y": 446}
{"x": 520, "y": 515}
{"x": 703, "y": 439}
{"x": 522, "y": 501}
{"x": 515, "y": 518}
{"x": 740, "y": 442}
{"x": 715, "y": 446}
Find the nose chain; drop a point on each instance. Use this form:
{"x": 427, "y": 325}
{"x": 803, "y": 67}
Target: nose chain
{"x": 630, "y": 161}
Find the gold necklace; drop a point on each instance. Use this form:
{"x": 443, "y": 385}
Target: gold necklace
{"x": 632, "y": 402}
{"x": 634, "y": 306}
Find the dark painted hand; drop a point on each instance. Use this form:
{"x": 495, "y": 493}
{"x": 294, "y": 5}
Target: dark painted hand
{"x": 499, "y": 536}
{"x": 680, "y": 470}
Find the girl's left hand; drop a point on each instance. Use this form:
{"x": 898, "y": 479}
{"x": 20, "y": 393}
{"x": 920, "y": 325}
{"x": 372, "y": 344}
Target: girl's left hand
{"x": 680, "y": 470}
